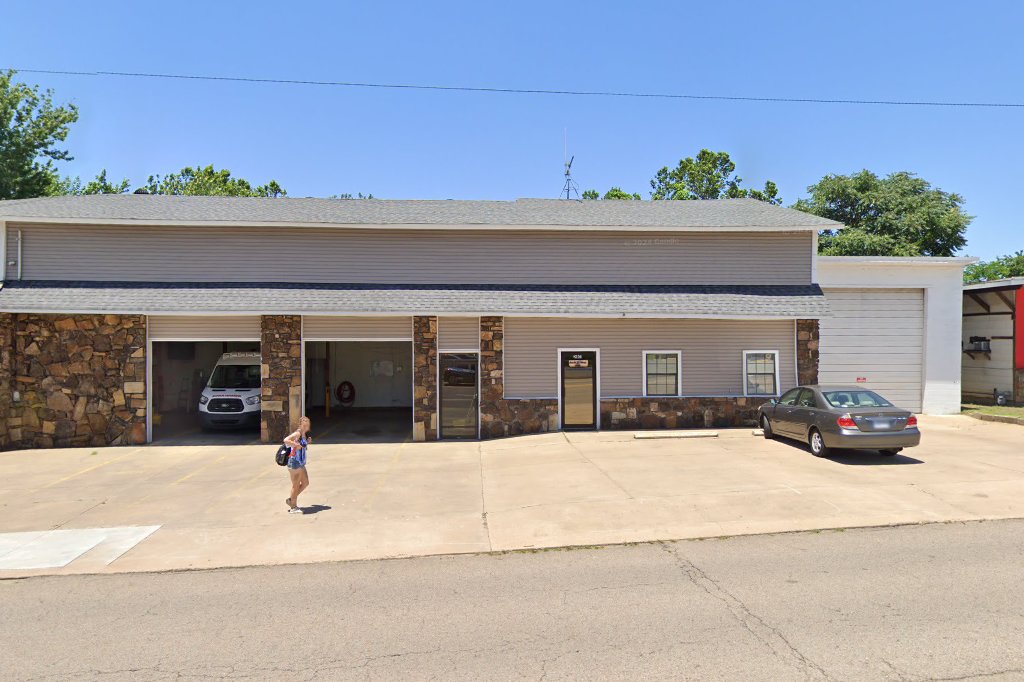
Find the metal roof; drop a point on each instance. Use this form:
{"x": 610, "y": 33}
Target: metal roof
{"x": 752, "y": 302}
{"x": 1008, "y": 283}
{"x": 725, "y": 214}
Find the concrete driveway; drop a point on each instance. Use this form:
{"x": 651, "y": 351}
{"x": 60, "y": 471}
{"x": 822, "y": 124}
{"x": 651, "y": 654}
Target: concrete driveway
{"x": 162, "y": 508}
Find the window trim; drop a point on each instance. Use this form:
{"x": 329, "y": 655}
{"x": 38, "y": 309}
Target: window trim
{"x": 679, "y": 371}
{"x": 778, "y": 384}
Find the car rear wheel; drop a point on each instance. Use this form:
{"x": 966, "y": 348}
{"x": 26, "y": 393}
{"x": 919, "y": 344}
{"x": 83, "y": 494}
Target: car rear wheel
{"x": 890, "y": 452}
{"x": 766, "y": 428}
{"x": 817, "y": 443}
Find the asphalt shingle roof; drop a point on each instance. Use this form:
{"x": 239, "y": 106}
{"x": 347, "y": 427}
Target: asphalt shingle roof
{"x": 284, "y": 298}
{"x": 720, "y": 213}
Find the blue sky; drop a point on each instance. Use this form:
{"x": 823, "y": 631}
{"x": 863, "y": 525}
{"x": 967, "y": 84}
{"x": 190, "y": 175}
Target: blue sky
{"x": 319, "y": 141}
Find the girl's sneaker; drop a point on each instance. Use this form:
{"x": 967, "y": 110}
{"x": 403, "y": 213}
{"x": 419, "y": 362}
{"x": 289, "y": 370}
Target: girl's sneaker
{"x": 294, "y": 510}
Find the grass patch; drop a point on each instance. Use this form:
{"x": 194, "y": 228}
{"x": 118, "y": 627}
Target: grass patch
{"x": 998, "y": 410}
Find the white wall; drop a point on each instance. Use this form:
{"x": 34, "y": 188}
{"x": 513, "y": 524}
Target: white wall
{"x": 994, "y": 372}
{"x": 942, "y": 282}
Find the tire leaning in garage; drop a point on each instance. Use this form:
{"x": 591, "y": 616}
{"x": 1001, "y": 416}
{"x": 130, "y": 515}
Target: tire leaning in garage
{"x": 817, "y": 443}
{"x": 766, "y": 428}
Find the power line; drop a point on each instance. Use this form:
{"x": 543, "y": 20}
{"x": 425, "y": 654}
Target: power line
{"x": 533, "y": 91}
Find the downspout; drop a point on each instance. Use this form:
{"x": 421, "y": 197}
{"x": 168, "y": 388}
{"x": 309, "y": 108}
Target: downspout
{"x": 19, "y": 255}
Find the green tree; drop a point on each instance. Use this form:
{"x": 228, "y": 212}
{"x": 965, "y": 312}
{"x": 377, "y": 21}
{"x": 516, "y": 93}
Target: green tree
{"x": 898, "y": 215}
{"x": 31, "y": 128}
{"x": 709, "y": 175}
{"x": 1000, "y": 268}
{"x": 210, "y": 182}
{"x": 347, "y": 195}
{"x": 613, "y": 193}
{"x": 98, "y": 185}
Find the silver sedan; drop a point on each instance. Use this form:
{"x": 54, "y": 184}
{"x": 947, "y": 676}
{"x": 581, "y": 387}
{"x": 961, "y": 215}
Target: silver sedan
{"x": 839, "y": 417}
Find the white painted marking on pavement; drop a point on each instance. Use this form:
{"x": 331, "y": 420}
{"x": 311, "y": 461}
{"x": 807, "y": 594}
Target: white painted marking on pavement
{"x": 57, "y": 548}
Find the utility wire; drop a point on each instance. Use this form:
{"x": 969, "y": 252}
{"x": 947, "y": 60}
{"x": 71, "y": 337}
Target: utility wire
{"x": 532, "y": 91}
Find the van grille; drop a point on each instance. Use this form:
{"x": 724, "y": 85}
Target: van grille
{"x": 225, "y": 405}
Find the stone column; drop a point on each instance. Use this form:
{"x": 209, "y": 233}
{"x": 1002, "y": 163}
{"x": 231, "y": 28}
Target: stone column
{"x": 493, "y": 423}
{"x": 281, "y": 394}
{"x": 807, "y": 351}
{"x": 81, "y": 380}
{"x": 424, "y": 405}
{"x": 6, "y": 378}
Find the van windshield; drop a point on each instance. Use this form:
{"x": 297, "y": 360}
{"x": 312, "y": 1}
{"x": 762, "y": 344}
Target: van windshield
{"x": 235, "y": 376}
{"x": 855, "y": 399}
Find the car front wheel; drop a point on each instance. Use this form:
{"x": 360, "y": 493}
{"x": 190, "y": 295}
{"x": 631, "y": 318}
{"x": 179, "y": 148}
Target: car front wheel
{"x": 817, "y": 443}
{"x": 766, "y": 428}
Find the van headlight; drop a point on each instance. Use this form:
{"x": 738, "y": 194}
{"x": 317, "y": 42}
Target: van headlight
{"x": 252, "y": 400}
{"x": 203, "y": 400}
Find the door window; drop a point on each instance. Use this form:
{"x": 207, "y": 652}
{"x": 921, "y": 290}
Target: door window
{"x": 579, "y": 389}
{"x": 807, "y": 398}
{"x": 459, "y": 399}
{"x": 790, "y": 397}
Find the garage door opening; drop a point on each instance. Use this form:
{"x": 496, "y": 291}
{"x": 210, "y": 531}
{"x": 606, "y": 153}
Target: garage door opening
{"x": 359, "y": 391}
{"x": 206, "y": 392}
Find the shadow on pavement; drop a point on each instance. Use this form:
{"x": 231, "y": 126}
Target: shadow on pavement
{"x": 315, "y": 508}
{"x": 854, "y": 457}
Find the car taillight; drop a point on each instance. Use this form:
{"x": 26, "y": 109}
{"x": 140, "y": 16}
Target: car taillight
{"x": 846, "y": 422}
{"x": 912, "y": 421}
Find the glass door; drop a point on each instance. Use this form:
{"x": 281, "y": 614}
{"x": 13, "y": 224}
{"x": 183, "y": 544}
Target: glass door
{"x": 579, "y": 389}
{"x": 459, "y": 397}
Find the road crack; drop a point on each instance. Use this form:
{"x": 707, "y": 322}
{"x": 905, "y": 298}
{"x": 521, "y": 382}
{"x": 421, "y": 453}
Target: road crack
{"x": 762, "y": 631}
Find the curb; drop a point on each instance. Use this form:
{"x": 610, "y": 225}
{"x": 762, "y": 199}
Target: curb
{"x": 997, "y": 418}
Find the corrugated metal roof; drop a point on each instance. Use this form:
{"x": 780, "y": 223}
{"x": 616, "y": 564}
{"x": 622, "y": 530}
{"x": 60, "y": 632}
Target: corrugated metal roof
{"x": 718, "y": 213}
{"x": 1008, "y": 283}
{"x": 284, "y": 298}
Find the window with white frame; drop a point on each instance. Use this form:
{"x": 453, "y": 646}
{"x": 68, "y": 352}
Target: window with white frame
{"x": 662, "y": 375}
{"x": 760, "y": 372}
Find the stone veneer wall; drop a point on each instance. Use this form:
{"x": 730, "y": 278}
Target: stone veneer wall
{"x": 424, "y": 403}
{"x": 678, "y": 413}
{"x": 81, "y": 380}
{"x": 807, "y": 335}
{"x": 500, "y": 416}
{"x": 6, "y": 377}
{"x": 281, "y": 358}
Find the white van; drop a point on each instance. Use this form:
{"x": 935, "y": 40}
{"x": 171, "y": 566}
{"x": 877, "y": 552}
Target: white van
{"x": 231, "y": 397}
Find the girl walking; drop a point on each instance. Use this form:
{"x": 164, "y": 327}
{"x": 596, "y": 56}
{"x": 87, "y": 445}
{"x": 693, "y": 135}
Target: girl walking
{"x": 298, "y": 442}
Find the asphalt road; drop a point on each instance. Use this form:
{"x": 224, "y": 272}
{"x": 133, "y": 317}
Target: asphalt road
{"x": 938, "y": 602}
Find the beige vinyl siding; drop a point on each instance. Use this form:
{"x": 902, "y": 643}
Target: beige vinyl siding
{"x": 712, "y": 352}
{"x": 877, "y": 335}
{"x": 237, "y": 254}
{"x": 458, "y": 333}
{"x": 356, "y": 328}
{"x": 983, "y": 374}
{"x": 204, "y": 327}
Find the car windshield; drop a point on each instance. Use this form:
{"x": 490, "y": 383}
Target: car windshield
{"x": 855, "y": 399}
{"x": 235, "y": 376}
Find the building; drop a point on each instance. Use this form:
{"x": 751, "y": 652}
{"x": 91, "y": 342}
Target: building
{"x": 993, "y": 340}
{"x": 448, "y": 319}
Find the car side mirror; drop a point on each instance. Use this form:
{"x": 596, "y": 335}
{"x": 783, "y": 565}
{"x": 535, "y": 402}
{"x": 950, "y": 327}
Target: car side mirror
{"x": 773, "y": 401}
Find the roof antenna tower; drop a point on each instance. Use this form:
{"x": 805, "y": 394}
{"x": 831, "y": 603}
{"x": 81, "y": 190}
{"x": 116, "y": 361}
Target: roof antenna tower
{"x": 570, "y": 186}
